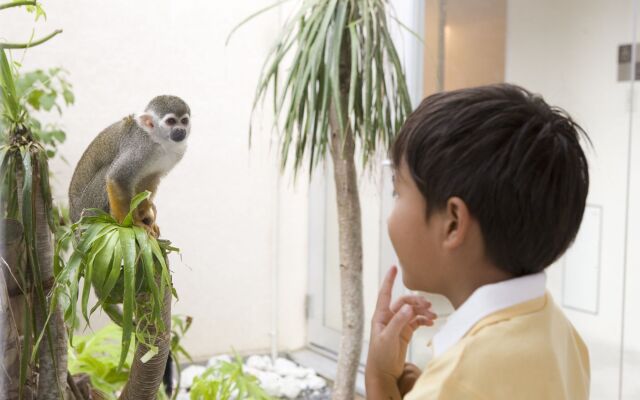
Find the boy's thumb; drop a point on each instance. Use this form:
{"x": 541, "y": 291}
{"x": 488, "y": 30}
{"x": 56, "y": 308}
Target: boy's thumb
{"x": 400, "y": 320}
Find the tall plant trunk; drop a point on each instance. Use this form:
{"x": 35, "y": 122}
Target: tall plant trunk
{"x": 52, "y": 375}
{"x": 9, "y": 347}
{"x": 12, "y": 255}
{"x": 350, "y": 235}
{"x": 145, "y": 378}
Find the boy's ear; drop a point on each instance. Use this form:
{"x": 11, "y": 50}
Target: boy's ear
{"x": 146, "y": 121}
{"x": 457, "y": 220}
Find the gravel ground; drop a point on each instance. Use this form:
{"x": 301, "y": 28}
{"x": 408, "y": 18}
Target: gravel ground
{"x": 282, "y": 379}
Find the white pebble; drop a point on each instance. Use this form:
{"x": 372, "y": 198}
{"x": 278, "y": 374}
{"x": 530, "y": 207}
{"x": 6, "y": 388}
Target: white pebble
{"x": 271, "y": 383}
{"x": 284, "y": 367}
{"x": 214, "y": 361}
{"x": 186, "y": 378}
{"x": 253, "y": 371}
{"x": 183, "y": 396}
{"x": 315, "y": 382}
{"x": 291, "y": 387}
{"x": 259, "y": 362}
{"x": 309, "y": 372}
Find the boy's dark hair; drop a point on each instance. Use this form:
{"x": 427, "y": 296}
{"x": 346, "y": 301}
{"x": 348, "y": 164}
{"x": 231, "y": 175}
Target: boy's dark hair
{"x": 514, "y": 160}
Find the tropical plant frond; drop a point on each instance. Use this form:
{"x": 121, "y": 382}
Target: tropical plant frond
{"x": 120, "y": 261}
{"x": 305, "y": 89}
{"x": 225, "y": 381}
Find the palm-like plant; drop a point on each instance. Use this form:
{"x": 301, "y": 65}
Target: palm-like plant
{"x": 124, "y": 265}
{"x": 344, "y": 92}
{"x": 119, "y": 259}
{"x": 27, "y": 218}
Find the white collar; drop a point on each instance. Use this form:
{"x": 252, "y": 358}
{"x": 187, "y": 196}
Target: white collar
{"x": 484, "y": 301}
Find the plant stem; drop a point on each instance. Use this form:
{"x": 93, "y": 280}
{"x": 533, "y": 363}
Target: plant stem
{"x": 350, "y": 238}
{"x": 30, "y": 44}
{"x": 11, "y": 249}
{"x": 145, "y": 378}
{"x": 52, "y": 359}
{"x": 17, "y": 4}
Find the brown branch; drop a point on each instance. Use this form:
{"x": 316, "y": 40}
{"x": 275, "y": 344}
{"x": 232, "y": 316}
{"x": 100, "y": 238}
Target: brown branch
{"x": 145, "y": 378}
{"x": 30, "y": 44}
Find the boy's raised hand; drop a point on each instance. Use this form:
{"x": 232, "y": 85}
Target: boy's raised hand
{"x": 392, "y": 327}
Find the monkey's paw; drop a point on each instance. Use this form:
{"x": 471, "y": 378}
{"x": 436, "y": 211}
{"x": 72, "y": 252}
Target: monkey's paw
{"x": 152, "y": 229}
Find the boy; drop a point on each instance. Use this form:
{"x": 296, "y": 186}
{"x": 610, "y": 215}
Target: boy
{"x": 491, "y": 185}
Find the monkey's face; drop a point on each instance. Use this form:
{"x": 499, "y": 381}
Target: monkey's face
{"x": 167, "y": 120}
{"x": 175, "y": 128}
{"x": 169, "y": 128}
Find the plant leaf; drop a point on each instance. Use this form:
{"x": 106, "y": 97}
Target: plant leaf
{"x": 127, "y": 241}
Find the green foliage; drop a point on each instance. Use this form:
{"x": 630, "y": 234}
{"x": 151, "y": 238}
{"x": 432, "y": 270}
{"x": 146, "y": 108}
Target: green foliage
{"x": 98, "y": 355}
{"x": 24, "y": 168}
{"x": 11, "y": 108}
{"x": 121, "y": 261}
{"x": 227, "y": 380}
{"x": 24, "y": 157}
{"x": 32, "y": 7}
{"x": 41, "y": 91}
{"x": 179, "y": 327}
{"x": 320, "y": 75}
{"x": 63, "y": 227}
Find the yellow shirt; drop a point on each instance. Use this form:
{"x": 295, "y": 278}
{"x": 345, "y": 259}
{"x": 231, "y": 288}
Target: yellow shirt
{"x": 526, "y": 351}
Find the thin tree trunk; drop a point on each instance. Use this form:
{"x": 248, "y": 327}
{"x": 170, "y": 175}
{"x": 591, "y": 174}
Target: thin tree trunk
{"x": 145, "y": 378}
{"x": 11, "y": 249}
{"x": 9, "y": 347}
{"x": 350, "y": 236}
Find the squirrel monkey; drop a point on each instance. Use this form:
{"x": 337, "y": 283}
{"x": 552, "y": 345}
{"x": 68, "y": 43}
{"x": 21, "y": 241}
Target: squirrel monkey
{"x": 129, "y": 157}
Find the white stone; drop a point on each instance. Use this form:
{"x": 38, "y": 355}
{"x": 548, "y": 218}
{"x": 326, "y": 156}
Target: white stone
{"x": 259, "y": 362}
{"x": 285, "y": 367}
{"x": 214, "y": 361}
{"x": 315, "y": 382}
{"x": 183, "y": 396}
{"x": 309, "y": 372}
{"x": 271, "y": 383}
{"x": 291, "y": 387}
{"x": 253, "y": 371}
{"x": 186, "y": 378}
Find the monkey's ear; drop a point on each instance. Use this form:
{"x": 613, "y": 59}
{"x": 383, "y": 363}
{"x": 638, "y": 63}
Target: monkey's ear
{"x": 145, "y": 121}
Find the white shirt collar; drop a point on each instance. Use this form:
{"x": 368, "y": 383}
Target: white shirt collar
{"x": 484, "y": 301}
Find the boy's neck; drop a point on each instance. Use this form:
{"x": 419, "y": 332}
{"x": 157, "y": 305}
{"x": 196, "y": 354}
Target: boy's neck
{"x": 472, "y": 278}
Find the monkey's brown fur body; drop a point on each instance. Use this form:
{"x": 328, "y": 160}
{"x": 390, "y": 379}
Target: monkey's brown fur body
{"x": 123, "y": 160}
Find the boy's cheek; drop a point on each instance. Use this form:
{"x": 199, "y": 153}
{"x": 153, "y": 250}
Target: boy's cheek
{"x": 400, "y": 244}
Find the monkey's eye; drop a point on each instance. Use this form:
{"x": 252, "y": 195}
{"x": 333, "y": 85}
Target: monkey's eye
{"x": 171, "y": 121}
{"x": 184, "y": 121}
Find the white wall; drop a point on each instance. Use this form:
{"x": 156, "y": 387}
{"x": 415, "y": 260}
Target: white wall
{"x": 567, "y": 50}
{"x": 219, "y": 204}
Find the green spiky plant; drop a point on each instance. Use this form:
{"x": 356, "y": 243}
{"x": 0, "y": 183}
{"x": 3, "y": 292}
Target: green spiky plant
{"x": 27, "y": 222}
{"x": 99, "y": 354}
{"x": 225, "y": 381}
{"x": 26, "y": 251}
{"x": 343, "y": 93}
{"x": 124, "y": 265}
{"x": 179, "y": 327}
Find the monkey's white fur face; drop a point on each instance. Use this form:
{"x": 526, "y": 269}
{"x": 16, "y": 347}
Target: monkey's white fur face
{"x": 169, "y": 130}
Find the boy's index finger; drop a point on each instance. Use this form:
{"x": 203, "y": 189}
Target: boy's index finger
{"x": 384, "y": 296}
